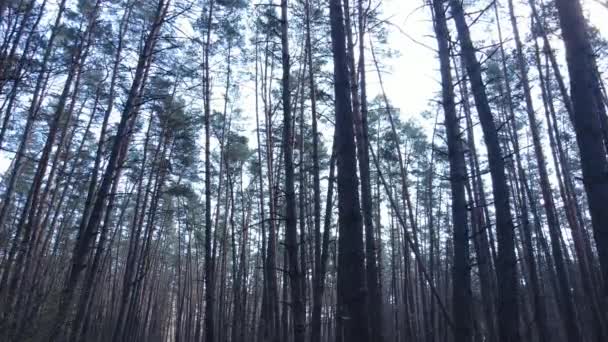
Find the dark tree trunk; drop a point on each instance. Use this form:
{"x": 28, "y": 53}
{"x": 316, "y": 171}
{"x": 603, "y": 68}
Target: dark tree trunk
{"x": 461, "y": 284}
{"x": 481, "y": 229}
{"x": 362, "y": 138}
{"x": 319, "y": 252}
{"x": 508, "y": 315}
{"x": 291, "y": 224}
{"x": 587, "y": 123}
{"x": 209, "y": 264}
{"x": 351, "y": 310}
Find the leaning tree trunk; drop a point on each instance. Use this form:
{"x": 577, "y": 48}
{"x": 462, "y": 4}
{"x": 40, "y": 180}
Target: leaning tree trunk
{"x": 508, "y": 315}
{"x": 587, "y": 123}
{"x": 572, "y": 329}
{"x": 88, "y": 228}
{"x": 461, "y": 284}
{"x": 520, "y": 184}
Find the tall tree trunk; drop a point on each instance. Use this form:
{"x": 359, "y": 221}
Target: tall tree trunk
{"x": 508, "y": 315}
{"x": 291, "y": 224}
{"x": 318, "y": 273}
{"x": 351, "y": 308}
{"x": 461, "y": 285}
{"x": 587, "y": 124}
{"x": 481, "y": 228}
{"x": 362, "y": 138}
{"x": 209, "y": 264}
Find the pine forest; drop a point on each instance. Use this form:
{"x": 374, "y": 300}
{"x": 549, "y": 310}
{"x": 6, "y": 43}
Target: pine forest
{"x": 303, "y": 170}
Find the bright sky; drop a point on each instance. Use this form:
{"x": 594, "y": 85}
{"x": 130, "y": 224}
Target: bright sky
{"x": 414, "y": 78}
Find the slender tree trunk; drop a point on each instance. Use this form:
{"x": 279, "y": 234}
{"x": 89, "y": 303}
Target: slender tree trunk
{"x": 362, "y": 139}
{"x": 481, "y": 229}
{"x": 291, "y": 229}
{"x": 318, "y": 273}
{"x": 209, "y": 264}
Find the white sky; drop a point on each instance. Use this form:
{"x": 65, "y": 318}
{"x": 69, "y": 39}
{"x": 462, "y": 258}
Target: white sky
{"x": 414, "y": 78}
